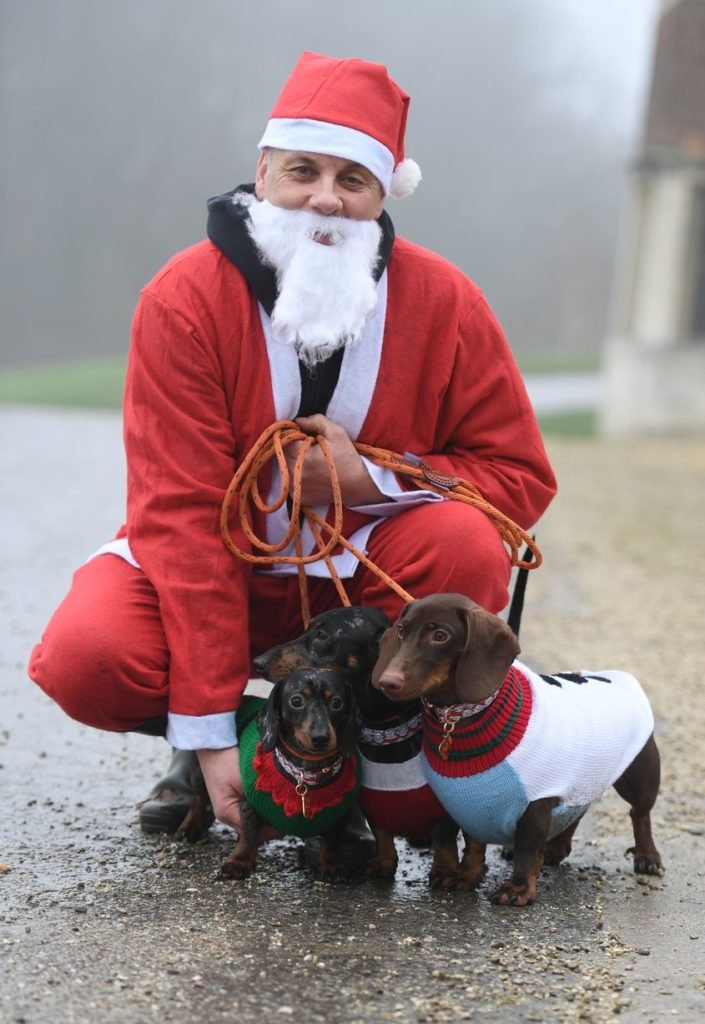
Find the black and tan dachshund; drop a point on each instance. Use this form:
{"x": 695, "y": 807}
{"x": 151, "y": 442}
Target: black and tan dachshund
{"x": 394, "y": 795}
{"x": 298, "y": 766}
{"x": 515, "y": 757}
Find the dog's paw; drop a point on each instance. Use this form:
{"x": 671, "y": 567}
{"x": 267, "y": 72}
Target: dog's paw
{"x": 647, "y": 862}
{"x": 444, "y": 878}
{"x": 331, "y": 872}
{"x": 381, "y": 867}
{"x": 191, "y": 832}
{"x": 236, "y": 869}
{"x": 468, "y": 878}
{"x": 514, "y": 894}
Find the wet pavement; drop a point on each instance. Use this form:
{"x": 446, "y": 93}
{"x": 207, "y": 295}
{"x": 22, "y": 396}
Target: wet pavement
{"x": 100, "y": 923}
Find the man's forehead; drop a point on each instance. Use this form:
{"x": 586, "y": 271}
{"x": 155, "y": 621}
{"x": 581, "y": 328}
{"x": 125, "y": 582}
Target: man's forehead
{"x": 287, "y": 155}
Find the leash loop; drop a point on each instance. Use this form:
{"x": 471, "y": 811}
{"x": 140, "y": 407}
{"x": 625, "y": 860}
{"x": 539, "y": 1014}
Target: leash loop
{"x": 272, "y": 445}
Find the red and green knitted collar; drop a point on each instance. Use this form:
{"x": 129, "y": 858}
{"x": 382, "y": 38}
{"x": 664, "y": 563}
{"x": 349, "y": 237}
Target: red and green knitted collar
{"x": 306, "y": 793}
{"x": 459, "y": 745}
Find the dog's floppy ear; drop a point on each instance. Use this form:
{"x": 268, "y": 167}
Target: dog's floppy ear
{"x": 490, "y": 648}
{"x": 349, "y": 729}
{"x": 388, "y": 646}
{"x": 268, "y": 720}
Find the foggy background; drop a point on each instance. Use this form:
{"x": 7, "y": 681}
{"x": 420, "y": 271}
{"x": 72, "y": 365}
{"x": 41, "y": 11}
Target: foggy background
{"x": 119, "y": 120}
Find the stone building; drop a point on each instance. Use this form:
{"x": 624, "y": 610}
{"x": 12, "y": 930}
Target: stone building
{"x": 654, "y": 359}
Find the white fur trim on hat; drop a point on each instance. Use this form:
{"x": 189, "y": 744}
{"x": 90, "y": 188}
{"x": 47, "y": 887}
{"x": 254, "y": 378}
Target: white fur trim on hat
{"x": 405, "y": 178}
{"x": 307, "y": 136}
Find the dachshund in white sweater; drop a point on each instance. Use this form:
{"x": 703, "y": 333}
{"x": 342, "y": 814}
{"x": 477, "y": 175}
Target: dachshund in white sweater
{"x": 516, "y": 757}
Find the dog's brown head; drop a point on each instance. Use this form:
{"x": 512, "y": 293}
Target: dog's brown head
{"x": 313, "y": 711}
{"x": 447, "y": 648}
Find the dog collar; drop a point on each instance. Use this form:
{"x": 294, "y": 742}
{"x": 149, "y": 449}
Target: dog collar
{"x": 313, "y": 776}
{"x": 449, "y": 715}
{"x": 394, "y": 734}
{"x": 486, "y": 732}
{"x": 455, "y": 712}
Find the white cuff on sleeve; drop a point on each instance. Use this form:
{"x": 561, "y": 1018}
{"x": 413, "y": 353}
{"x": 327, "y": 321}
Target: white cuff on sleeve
{"x": 387, "y": 483}
{"x": 202, "y": 732}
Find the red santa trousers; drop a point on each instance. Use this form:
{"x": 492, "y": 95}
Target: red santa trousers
{"x": 104, "y": 657}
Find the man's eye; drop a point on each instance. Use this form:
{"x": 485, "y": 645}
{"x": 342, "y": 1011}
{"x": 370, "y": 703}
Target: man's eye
{"x": 296, "y": 701}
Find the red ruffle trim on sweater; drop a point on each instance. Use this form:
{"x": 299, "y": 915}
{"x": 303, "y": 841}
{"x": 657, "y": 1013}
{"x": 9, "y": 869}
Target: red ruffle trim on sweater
{"x": 318, "y": 798}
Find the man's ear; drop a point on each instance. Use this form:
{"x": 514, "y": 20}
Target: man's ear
{"x": 490, "y": 648}
{"x": 388, "y": 647}
{"x": 268, "y": 720}
{"x": 260, "y": 174}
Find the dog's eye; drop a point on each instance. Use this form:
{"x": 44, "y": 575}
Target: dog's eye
{"x": 400, "y": 631}
{"x": 440, "y": 636}
{"x": 336, "y": 703}
{"x": 321, "y": 634}
{"x": 296, "y": 701}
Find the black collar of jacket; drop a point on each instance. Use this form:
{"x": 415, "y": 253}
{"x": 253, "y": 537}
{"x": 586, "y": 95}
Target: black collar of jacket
{"x": 227, "y": 229}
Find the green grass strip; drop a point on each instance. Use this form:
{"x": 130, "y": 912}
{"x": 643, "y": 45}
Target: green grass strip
{"x": 93, "y": 385}
{"x": 558, "y": 362}
{"x": 581, "y": 423}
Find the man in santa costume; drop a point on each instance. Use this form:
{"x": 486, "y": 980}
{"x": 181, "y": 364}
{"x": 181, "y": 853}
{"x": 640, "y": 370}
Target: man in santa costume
{"x": 303, "y": 304}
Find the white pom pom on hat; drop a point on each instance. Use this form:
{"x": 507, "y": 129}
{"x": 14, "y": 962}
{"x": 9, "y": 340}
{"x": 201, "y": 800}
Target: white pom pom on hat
{"x": 405, "y": 178}
{"x": 347, "y": 108}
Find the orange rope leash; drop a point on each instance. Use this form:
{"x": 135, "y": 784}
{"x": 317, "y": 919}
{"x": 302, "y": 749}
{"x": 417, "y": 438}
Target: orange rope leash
{"x": 272, "y": 444}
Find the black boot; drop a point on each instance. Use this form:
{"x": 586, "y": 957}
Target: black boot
{"x": 172, "y": 797}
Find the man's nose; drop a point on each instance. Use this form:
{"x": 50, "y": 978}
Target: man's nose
{"x": 325, "y": 198}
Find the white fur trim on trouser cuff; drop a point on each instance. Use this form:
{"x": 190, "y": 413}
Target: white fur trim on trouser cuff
{"x": 202, "y": 732}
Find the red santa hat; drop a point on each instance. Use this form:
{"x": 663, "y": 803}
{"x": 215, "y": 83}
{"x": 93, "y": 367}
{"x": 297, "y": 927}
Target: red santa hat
{"x": 348, "y": 108}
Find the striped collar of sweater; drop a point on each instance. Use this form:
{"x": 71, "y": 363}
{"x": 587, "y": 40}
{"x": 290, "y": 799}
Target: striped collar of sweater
{"x": 468, "y": 739}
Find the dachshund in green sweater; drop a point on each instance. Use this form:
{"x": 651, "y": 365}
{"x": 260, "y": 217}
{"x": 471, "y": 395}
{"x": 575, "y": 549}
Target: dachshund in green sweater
{"x": 299, "y": 768}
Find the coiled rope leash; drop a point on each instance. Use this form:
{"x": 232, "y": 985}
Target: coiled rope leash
{"x": 272, "y": 444}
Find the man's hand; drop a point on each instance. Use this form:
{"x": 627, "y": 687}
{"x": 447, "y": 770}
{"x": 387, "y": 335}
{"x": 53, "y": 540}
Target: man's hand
{"x": 356, "y": 484}
{"x": 221, "y": 772}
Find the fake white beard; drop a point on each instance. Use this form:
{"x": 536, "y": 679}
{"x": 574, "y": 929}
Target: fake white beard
{"x": 326, "y": 292}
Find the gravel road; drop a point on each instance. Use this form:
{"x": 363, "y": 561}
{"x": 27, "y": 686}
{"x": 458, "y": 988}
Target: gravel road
{"x": 99, "y": 923}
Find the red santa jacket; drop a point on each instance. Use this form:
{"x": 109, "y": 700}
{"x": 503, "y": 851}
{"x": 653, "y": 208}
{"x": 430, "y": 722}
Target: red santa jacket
{"x": 201, "y": 388}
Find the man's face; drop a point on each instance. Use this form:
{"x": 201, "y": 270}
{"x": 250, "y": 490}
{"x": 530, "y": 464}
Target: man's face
{"x": 327, "y": 185}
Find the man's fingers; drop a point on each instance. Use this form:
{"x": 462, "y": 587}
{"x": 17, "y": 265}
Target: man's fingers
{"x": 316, "y": 424}
{"x": 227, "y": 811}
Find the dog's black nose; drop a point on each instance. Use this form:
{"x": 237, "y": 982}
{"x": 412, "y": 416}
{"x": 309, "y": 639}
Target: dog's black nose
{"x": 319, "y": 740}
{"x": 260, "y": 662}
